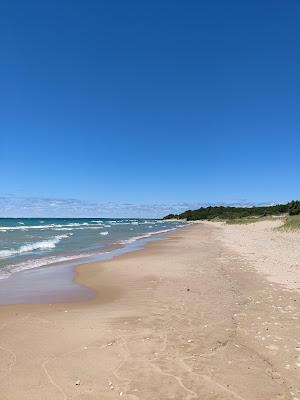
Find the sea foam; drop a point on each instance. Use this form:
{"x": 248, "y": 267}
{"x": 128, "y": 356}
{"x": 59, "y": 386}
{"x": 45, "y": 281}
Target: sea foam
{"x": 31, "y": 264}
{"x": 145, "y": 236}
{"x": 42, "y": 245}
{"x": 75, "y": 225}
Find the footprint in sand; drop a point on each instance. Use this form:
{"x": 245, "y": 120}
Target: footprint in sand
{"x": 274, "y": 375}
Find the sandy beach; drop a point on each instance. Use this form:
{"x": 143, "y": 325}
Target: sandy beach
{"x": 211, "y": 313}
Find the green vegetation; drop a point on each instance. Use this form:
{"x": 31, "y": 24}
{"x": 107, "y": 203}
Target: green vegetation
{"x": 294, "y": 207}
{"x": 238, "y": 213}
{"x": 291, "y": 223}
{"x": 242, "y": 221}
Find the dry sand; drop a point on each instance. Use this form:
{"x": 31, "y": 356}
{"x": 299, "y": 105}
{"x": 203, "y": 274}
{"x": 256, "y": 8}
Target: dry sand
{"x": 188, "y": 318}
{"x": 273, "y": 252}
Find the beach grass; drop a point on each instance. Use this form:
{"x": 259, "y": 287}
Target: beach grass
{"x": 252, "y": 220}
{"x": 242, "y": 221}
{"x": 291, "y": 223}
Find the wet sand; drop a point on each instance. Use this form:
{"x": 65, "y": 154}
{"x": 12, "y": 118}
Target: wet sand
{"x": 56, "y": 283}
{"x": 187, "y": 318}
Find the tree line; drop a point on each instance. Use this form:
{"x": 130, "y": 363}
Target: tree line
{"x": 222, "y": 212}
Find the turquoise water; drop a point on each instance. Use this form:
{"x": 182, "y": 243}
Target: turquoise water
{"x": 36, "y": 242}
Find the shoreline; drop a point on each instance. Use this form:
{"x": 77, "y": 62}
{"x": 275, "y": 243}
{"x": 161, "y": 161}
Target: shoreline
{"x": 85, "y": 273}
{"x": 184, "y": 318}
{"x": 57, "y": 282}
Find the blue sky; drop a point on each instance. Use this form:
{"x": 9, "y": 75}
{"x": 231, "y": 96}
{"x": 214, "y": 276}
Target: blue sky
{"x": 156, "y": 105}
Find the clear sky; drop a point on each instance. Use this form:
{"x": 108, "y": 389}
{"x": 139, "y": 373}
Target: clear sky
{"x": 148, "y": 102}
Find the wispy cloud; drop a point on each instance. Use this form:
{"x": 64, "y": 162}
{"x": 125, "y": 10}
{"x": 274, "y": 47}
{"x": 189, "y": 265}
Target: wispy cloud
{"x": 15, "y": 206}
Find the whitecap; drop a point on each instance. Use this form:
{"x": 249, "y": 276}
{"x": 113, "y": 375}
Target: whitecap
{"x": 145, "y": 236}
{"x": 26, "y": 248}
{"x": 41, "y": 227}
{"x": 63, "y": 229}
{"x": 31, "y": 264}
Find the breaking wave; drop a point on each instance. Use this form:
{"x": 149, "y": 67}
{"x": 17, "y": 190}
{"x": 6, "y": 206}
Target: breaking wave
{"x": 26, "y": 248}
{"x": 147, "y": 235}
